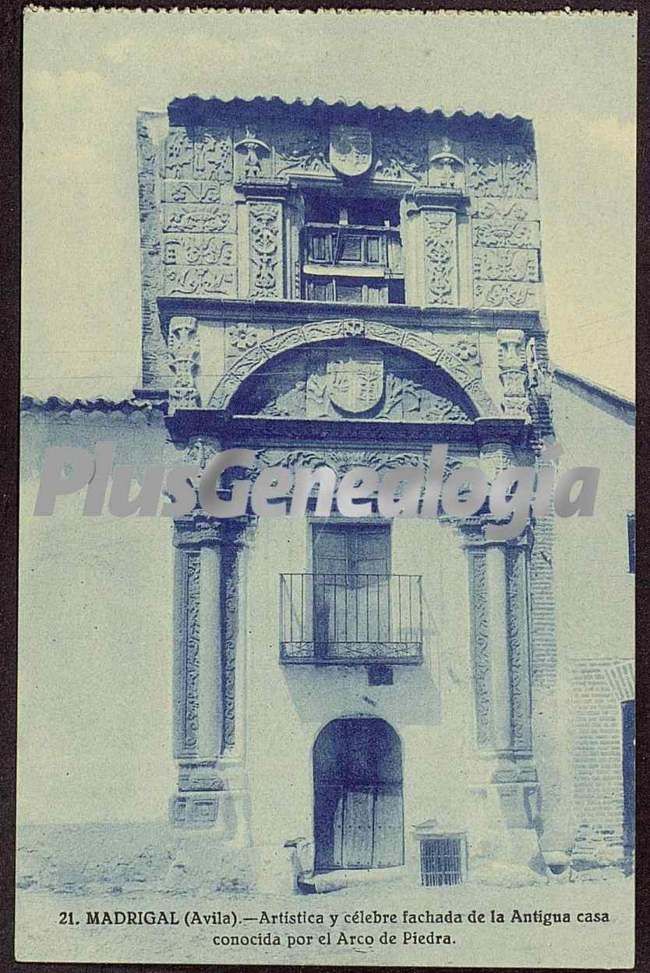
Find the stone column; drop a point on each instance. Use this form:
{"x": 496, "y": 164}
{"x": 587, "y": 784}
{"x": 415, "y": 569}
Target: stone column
{"x": 505, "y": 808}
{"x": 198, "y": 724}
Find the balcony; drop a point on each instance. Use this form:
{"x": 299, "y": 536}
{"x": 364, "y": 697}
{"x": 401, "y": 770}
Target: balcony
{"x": 350, "y": 619}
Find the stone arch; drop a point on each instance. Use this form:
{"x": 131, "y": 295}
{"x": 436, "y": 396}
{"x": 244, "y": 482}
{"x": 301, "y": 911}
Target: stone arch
{"x": 464, "y": 373}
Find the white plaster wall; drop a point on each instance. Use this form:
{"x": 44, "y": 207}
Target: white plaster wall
{"x": 95, "y": 643}
{"x": 593, "y": 587}
{"x": 430, "y": 706}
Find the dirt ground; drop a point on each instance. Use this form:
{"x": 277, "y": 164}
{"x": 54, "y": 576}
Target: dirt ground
{"x": 571, "y": 937}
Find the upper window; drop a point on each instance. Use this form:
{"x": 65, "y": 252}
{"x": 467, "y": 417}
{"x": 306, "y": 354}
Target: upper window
{"x": 352, "y": 250}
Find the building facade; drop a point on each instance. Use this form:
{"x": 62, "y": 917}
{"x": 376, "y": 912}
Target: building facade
{"x": 343, "y": 286}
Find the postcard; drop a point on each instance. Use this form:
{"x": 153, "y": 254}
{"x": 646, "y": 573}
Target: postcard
{"x": 326, "y": 649}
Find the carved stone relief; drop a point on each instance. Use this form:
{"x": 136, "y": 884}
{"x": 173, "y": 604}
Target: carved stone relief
{"x": 504, "y": 294}
{"x": 395, "y": 397}
{"x": 155, "y": 368}
{"x": 400, "y": 156}
{"x": 512, "y": 372}
{"x": 200, "y": 281}
{"x": 302, "y": 150}
{"x": 198, "y": 154}
{"x": 499, "y": 232}
{"x": 493, "y": 170}
{"x": 518, "y": 637}
{"x": 446, "y": 163}
{"x": 506, "y": 264}
{"x": 458, "y": 356}
{"x": 187, "y": 702}
{"x": 265, "y": 230}
{"x": 440, "y": 258}
{"x": 480, "y": 646}
{"x": 252, "y": 156}
{"x": 184, "y": 362}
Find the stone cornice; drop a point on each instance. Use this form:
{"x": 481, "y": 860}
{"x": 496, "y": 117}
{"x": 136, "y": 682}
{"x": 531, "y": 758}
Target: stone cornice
{"x": 289, "y": 312}
{"x": 235, "y": 431}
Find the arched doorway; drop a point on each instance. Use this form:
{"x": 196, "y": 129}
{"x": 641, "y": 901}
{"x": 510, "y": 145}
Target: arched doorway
{"x": 358, "y": 812}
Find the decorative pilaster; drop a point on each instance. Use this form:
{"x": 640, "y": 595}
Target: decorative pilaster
{"x": 209, "y": 670}
{"x": 266, "y": 271}
{"x": 434, "y": 218}
{"x": 198, "y": 726}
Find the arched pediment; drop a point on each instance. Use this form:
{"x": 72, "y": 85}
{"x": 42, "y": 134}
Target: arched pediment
{"x": 459, "y": 360}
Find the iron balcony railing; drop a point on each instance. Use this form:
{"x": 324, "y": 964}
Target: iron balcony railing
{"x": 351, "y": 619}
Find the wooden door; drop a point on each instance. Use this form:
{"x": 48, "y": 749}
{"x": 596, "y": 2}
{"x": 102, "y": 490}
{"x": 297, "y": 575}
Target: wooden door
{"x": 388, "y": 835}
{"x": 358, "y": 828}
{"x": 358, "y": 814}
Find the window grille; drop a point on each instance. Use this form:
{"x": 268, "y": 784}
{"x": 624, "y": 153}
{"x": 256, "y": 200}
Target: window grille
{"x": 443, "y": 860}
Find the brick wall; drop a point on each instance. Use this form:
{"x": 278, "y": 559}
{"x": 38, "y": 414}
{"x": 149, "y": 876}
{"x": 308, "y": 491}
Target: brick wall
{"x": 598, "y": 687}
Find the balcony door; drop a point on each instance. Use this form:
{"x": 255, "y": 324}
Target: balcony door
{"x": 351, "y": 578}
{"x": 358, "y": 814}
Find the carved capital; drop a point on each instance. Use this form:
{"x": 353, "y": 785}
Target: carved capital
{"x": 512, "y": 372}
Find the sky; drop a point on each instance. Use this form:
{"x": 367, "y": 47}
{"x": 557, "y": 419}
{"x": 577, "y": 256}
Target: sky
{"x": 88, "y": 72}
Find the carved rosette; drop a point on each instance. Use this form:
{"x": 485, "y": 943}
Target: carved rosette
{"x": 440, "y": 259}
{"x": 265, "y": 222}
{"x": 512, "y": 372}
{"x": 184, "y": 362}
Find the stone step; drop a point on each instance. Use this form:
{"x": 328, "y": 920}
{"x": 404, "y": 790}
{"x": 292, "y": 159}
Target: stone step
{"x": 342, "y": 878}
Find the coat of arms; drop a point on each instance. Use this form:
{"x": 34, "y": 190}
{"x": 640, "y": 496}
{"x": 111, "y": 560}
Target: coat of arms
{"x": 355, "y": 384}
{"x": 350, "y": 149}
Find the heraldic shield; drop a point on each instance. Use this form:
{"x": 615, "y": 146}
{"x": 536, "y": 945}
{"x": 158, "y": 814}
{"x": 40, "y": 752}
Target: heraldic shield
{"x": 355, "y": 384}
{"x": 350, "y": 149}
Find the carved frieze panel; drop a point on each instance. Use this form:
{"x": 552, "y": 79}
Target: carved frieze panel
{"x": 400, "y": 156}
{"x": 499, "y": 232}
{"x": 200, "y": 281}
{"x": 506, "y": 264}
{"x": 218, "y": 249}
{"x": 519, "y": 210}
{"x": 302, "y": 150}
{"x": 504, "y": 294}
{"x": 191, "y": 191}
{"x": 265, "y": 237}
{"x": 493, "y": 170}
{"x": 519, "y": 173}
{"x": 440, "y": 258}
{"x": 198, "y": 154}
{"x": 484, "y": 169}
{"x": 197, "y": 218}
